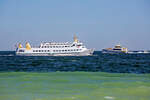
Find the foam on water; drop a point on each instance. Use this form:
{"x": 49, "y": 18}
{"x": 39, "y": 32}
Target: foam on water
{"x": 8, "y": 55}
{"x": 109, "y": 98}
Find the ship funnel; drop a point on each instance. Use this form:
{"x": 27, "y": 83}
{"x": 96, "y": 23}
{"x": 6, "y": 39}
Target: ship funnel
{"x": 125, "y": 50}
{"x": 20, "y": 45}
{"x": 28, "y": 47}
{"x": 75, "y": 38}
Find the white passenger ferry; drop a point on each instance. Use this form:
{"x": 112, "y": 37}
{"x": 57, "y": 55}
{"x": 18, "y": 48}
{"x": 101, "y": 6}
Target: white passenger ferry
{"x": 75, "y": 48}
{"x": 116, "y": 49}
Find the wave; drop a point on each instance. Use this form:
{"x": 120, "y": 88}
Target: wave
{"x": 8, "y": 55}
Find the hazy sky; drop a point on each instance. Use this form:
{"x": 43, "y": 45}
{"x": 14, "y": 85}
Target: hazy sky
{"x": 97, "y": 23}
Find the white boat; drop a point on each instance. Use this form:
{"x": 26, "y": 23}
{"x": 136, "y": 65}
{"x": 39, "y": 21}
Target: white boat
{"x": 116, "y": 49}
{"x": 139, "y": 52}
{"x": 146, "y": 51}
{"x": 75, "y": 48}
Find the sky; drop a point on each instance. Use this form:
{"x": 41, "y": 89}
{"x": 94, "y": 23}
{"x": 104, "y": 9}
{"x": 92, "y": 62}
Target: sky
{"x": 97, "y": 23}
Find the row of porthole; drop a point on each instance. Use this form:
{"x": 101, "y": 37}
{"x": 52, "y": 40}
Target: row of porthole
{"x": 41, "y": 50}
{"x": 56, "y": 50}
{"x": 67, "y": 50}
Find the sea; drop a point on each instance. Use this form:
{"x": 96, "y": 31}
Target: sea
{"x": 97, "y": 77}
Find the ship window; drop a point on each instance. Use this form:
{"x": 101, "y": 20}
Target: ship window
{"x": 47, "y": 50}
{"x": 116, "y": 49}
{"x": 79, "y": 45}
{"x": 62, "y": 50}
{"x": 65, "y": 50}
{"x": 39, "y": 50}
{"x": 36, "y": 51}
{"x": 21, "y": 50}
{"x": 53, "y": 46}
{"x": 45, "y": 46}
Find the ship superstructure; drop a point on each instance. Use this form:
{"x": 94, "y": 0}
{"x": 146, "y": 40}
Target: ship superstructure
{"x": 75, "y": 48}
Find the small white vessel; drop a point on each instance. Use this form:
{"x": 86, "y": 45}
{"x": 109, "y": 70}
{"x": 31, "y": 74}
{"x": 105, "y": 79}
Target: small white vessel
{"x": 146, "y": 51}
{"x": 139, "y": 52}
{"x": 75, "y": 48}
{"x": 116, "y": 49}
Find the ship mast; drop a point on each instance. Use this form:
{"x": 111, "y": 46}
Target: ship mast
{"x": 75, "y": 38}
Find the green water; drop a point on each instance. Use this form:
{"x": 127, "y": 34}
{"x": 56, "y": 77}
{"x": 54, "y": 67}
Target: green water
{"x": 74, "y": 86}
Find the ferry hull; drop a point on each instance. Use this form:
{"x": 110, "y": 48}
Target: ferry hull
{"x": 85, "y": 53}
